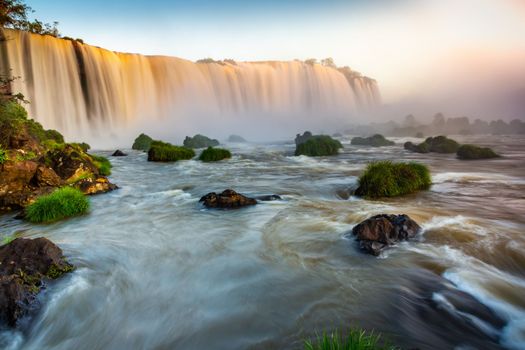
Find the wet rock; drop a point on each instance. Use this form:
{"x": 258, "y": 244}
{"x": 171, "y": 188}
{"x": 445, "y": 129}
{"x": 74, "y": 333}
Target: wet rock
{"x": 118, "y": 153}
{"x": 228, "y": 199}
{"x": 268, "y": 198}
{"x": 378, "y": 232}
{"x": 307, "y": 135}
{"x": 376, "y": 140}
{"x": 91, "y": 186}
{"x": 45, "y": 176}
{"x": 25, "y": 266}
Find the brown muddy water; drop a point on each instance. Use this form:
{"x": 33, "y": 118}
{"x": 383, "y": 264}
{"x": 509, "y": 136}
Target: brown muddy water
{"x": 158, "y": 271}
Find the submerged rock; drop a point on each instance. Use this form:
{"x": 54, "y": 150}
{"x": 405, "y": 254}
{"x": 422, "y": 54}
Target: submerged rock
{"x": 228, "y": 199}
{"x": 380, "y": 231}
{"x": 25, "y": 266}
{"x": 118, "y": 153}
{"x": 269, "y": 198}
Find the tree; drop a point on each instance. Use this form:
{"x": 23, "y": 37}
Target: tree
{"x": 328, "y": 62}
{"x": 14, "y": 14}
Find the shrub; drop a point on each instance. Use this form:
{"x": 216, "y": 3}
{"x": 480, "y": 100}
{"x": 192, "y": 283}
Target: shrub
{"x": 54, "y": 135}
{"x": 320, "y": 145}
{"x": 376, "y": 140}
{"x": 388, "y": 179}
{"x": 211, "y": 154}
{"x": 467, "y": 152}
{"x": 355, "y": 339}
{"x": 62, "y": 203}
{"x": 82, "y": 146}
{"x": 142, "y": 143}
{"x": 3, "y": 155}
{"x": 200, "y": 141}
{"x": 166, "y": 152}
{"x": 103, "y": 164}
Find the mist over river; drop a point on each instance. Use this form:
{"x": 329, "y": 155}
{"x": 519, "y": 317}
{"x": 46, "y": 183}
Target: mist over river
{"x": 155, "y": 270}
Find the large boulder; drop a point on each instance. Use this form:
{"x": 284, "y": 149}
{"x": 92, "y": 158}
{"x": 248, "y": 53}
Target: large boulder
{"x": 199, "y": 141}
{"x": 236, "y": 138}
{"x": 380, "y": 231}
{"x": 376, "y": 140}
{"x": 438, "y": 144}
{"x": 228, "y": 199}
{"x": 25, "y": 267}
{"x": 472, "y": 152}
{"x": 307, "y": 135}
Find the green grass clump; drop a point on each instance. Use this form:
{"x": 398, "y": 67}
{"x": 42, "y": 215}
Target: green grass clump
{"x": 211, "y": 154}
{"x": 60, "y": 204}
{"x": 30, "y": 155}
{"x": 355, "y": 339}
{"x": 388, "y": 179}
{"x": 103, "y": 164}
{"x": 200, "y": 141}
{"x": 376, "y": 140}
{"x": 166, "y": 152}
{"x": 467, "y": 152}
{"x": 3, "y": 155}
{"x": 81, "y": 145}
{"x": 142, "y": 143}
{"x": 317, "y": 146}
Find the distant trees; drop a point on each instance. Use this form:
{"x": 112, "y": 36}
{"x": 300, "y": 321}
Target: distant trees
{"x": 14, "y": 14}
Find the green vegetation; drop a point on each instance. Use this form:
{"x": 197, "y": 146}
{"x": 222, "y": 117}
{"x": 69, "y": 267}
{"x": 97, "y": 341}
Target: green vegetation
{"x": 103, "y": 164}
{"x": 56, "y": 271}
{"x": 200, "y": 141}
{"x": 166, "y": 152}
{"x": 14, "y": 14}
{"x": 82, "y": 145}
{"x": 388, "y": 179}
{"x": 355, "y": 339}
{"x": 142, "y": 143}
{"x": 438, "y": 144}
{"x": 20, "y": 157}
{"x": 62, "y": 203}
{"x": 468, "y": 152}
{"x": 376, "y": 140}
{"x": 3, "y": 155}
{"x": 211, "y": 154}
{"x": 319, "y": 145}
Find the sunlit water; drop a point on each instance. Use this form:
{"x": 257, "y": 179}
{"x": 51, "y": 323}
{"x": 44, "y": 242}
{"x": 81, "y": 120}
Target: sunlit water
{"x": 158, "y": 271}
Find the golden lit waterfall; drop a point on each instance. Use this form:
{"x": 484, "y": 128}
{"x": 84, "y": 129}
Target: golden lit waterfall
{"x": 76, "y": 88}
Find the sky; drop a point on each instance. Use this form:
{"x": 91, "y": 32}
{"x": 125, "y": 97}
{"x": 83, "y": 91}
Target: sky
{"x": 456, "y": 56}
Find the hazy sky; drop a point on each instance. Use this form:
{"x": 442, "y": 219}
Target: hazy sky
{"x": 422, "y": 52}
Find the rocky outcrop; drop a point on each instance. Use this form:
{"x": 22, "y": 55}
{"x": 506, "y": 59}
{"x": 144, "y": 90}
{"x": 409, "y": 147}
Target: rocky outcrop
{"x": 118, "y": 153}
{"x": 380, "y": 231}
{"x": 376, "y": 140}
{"x": 307, "y": 135}
{"x": 438, "y": 144}
{"x": 269, "y": 198}
{"x": 236, "y": 138}
{"x": 25, "y": 267}
{"x": 228, "y": 199}
{"x": 200, "y": 141}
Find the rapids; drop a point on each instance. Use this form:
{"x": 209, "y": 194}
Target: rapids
{"x": 158, "y": 271}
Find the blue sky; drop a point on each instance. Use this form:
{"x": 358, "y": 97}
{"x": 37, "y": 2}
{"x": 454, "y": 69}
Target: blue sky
{"x": 407, "y": 45}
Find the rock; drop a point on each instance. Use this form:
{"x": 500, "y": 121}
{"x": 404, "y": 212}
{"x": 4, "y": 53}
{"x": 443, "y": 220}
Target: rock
{"x": 438, "y": 144}
{"x": 303, "y": 138}
{"x": 199, "y": 141}
{"x": 91, "y": 186}
{"x": 378, "y": 232}
{"x": 376, "y": 140}
{"x": 269, "y": 198}
{"x": 236, "y": 138}
{"x": 118, "y": 153}
{"x": 472, "y": 152}
{"x": 142, "y": 143}
{"x": 45, "y": 176}
{"x": 228, "y": 199}
{"x": 25, "y": 265}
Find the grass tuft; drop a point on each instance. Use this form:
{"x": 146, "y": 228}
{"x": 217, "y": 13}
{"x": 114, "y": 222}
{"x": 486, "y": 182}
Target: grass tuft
{"x": 355, "y": 339}
{"x": 388, "y": 179}
{"x": 318, "y": 146}
{"x": 62, "y": 203}
{"x": 166, "y": 152}
{"x": 3, "y": 155}
{"x": 211, "y": 154}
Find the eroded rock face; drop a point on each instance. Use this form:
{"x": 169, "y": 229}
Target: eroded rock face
{"x": 378, "y": 232}
{"x": 228, "y": 199}
{"x": 25, "y": 266}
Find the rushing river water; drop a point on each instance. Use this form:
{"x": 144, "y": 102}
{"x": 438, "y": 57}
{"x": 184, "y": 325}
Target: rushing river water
{"x": 158, "y": 271}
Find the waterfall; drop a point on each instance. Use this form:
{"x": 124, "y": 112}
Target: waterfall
{"x": 80, "y": 89}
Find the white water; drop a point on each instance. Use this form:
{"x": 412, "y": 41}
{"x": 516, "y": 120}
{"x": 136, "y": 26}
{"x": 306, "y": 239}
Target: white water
{"x": 83, "y": 91}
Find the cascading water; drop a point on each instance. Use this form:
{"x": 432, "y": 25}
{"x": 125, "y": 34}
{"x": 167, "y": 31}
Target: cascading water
{"x": 79, "y": 89}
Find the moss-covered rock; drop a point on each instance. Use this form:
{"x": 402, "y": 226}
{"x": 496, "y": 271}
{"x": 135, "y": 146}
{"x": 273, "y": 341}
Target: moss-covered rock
{"x": 376, "y": 140}
{"x": 307, "y": 135}
{"x": 142, "y": 143}
{"x": 471, "y": 152}
{"x": 166, "y": 152}
{"x": 317, "y": 146}
{"x": 199, "y": 141}
{"x": 236, "y": 138}
{"x": 389, "y": 179}
{"x": 423, "y": 147}
{"x": 438, "y": 144}
{"x": 211, "y": 154}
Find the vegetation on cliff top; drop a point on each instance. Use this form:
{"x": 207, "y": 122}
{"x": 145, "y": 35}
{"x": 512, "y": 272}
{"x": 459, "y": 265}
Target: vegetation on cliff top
{"x": 317, "y": 146}
{"x": 60, "y": 204}
{"x": 142, "y": 143}
{"x": 211, "y": 154}
{"x": 389, "y": 179}
{"x": 15, "y": 14}
{"x": 166, "y": 152}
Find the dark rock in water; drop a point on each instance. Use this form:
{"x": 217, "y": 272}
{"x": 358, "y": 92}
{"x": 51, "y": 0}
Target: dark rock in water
{"x": 199, "y": 141}
{"x": 376, "y": 140}
{"x": 228, "y": 199}
{"x": 472, "y": 152}
{"x": 307, "y": 135}
{"x": 25, "y": 265}
{"x": 268, "y": 198}
{"x": 438, "y": 144}
{"x": 95, "y": 186}
{"x": 378, "y": 232}
{"x": 236, "y": 138}
{"x": 118, "y": 153}
{"x": 432, "y": 310}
